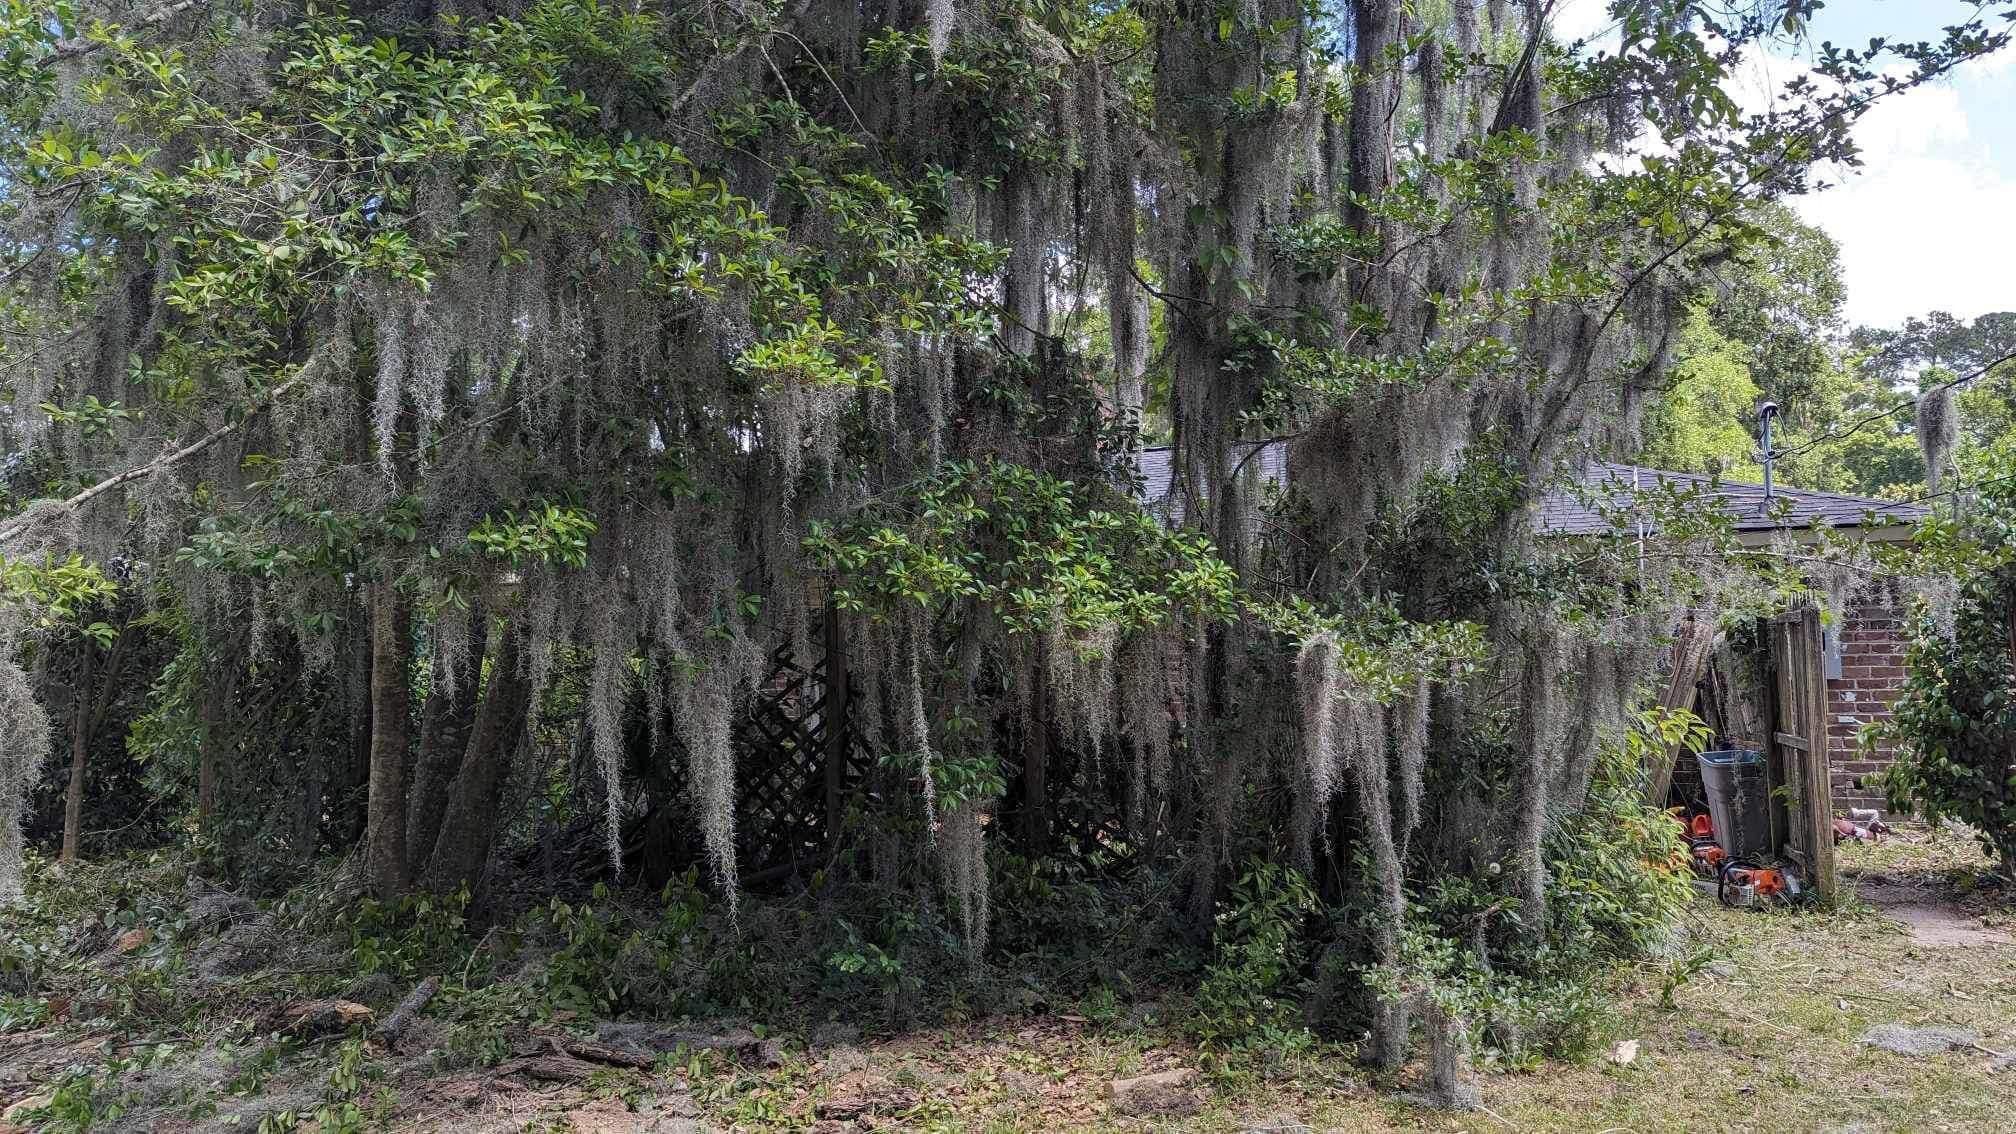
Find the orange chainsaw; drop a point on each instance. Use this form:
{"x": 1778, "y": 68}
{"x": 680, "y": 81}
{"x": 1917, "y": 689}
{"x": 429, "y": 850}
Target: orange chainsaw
{"x": 1742, "y": 884}
{"x": 1707, "y": 854}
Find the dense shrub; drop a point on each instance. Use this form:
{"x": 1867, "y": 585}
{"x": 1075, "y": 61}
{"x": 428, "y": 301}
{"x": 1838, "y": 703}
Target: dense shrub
{"x": 1954, "y": 724}
{"x": 1619, "y": 869}
{"x": 1247, "y": 998}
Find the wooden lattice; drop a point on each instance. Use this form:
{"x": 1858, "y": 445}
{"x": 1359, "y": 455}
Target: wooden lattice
{"x": 801, "y": 761}
{"x": 797, "y": 761}
{"x": 1084, "y": 812}
{"x": 798, "y": 749}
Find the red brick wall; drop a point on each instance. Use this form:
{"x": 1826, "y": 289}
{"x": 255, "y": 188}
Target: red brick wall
{"x": 1872, "y": 672}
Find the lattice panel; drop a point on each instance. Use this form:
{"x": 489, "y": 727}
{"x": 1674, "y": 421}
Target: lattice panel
{"x": 785, "y": 801}
{"x": 782, "y": 801}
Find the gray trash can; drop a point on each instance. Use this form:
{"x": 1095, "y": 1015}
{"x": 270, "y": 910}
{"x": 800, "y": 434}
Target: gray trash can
{"x": 1739, "y": 801}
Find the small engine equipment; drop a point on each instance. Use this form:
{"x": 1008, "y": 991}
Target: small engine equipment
{"x": 1864, "y": 824}
{"x": 1706, "y": 853}
{"x": 1743, "y": 884}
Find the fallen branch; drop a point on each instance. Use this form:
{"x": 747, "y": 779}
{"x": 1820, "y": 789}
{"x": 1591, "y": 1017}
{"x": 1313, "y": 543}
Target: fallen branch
{"x": 548, "y": 1069}
{"x": 1755, "y": 1018}
{"x": 314, "y": 1019}
{"x": 602, "y": 1053}
{"x": 642, "y": 1039}
{"x": 409, "y": 1009}
{"x": 1496, "y": 1117}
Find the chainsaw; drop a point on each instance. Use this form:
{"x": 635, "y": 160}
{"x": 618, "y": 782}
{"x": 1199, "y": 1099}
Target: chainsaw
{"x": 1706, "y": 853}
{"x": 1745, "y": 885}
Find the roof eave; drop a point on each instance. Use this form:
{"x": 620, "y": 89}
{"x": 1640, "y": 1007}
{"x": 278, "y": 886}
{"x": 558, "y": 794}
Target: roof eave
{"x": 1878, "y": 533}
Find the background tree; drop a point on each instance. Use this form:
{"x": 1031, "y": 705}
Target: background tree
{"x": 1859, "y": 436}
{"x": 1770, "y": 328}
{"x": 1701, "y": 422}
{"x": 1781, "y": 305}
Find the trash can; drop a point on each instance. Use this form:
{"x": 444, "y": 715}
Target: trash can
{"x": 1739, "y": 801}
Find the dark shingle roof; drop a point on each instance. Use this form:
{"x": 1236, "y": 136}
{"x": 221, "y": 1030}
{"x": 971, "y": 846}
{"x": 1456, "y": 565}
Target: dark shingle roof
{"x": 1605, "y": 498}
{"x": 1157, "y": 468}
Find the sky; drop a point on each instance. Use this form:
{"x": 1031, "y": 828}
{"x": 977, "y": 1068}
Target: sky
{"x": 1929, "y": 221}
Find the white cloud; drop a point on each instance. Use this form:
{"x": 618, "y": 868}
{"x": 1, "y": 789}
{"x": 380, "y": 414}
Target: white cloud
{"x": 1579, "y": 19}
{"x": 1920, "y": 224}
{"x": 1916, "y": 235}
{"x": 1916, "y": 221}
{"x": 1927, "y": 120}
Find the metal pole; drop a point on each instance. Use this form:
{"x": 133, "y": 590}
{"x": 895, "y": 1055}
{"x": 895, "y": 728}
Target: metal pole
{"x": 1766, "y": 413}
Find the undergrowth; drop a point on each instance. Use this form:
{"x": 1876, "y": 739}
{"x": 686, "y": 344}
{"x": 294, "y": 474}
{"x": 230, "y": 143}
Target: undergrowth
{"x": 180, "y": 975}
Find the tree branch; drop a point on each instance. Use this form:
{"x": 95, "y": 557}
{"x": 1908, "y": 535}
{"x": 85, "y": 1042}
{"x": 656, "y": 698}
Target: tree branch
{"x": 35, "y": 515}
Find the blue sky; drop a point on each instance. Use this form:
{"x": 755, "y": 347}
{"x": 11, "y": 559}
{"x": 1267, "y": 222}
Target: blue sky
{"x": 1929, "y": 222}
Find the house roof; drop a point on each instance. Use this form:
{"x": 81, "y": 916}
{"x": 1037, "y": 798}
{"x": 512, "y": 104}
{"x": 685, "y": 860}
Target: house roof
{"x": 1157, "y": 467}
{"x": 1606, "y": 494}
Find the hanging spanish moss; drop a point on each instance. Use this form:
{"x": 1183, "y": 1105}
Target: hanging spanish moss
{"x": 1412, "y": 725}
{"x": 1939, "y": 597}
{"x": 1938, "y": 431}
{"x": 702, "y": 713}
{"x": 1081, "y": 671}
{"x": 1321, "y": 680}
{"x": 1450, "y": 1086}
{"x": 24, "y": 740}
{"x": 608, "y": 698}
{"x": 962, "y": 850}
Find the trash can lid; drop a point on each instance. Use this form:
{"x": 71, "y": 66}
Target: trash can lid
{"x": 1733, "y": 756}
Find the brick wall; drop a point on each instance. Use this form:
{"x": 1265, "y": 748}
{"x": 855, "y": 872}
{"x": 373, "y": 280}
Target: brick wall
{"x": 1872, "y": 671}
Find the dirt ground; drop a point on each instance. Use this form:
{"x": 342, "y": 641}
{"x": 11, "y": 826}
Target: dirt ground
{"x": 1895, "y": 1012}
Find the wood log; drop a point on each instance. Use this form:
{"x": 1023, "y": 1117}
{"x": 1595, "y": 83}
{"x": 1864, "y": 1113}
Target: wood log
{"x": 408, "y": 1010}
{"x": 603, "y": 1053}
{"x": 548, "y": 1069}
{"x": 1690, "y": 655}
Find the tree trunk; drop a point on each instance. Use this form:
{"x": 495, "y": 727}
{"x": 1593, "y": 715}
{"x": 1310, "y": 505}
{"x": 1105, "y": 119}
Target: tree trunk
{"x": 1374, "y": 24}
{"x": 470, "y": 825}
{"x": 385, "y": 809}
{"x": 341, "y": 784}
{"x": 445, "y": 722}
{"x": 1036, "y": 768}
{"x": 81, "y": 705}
